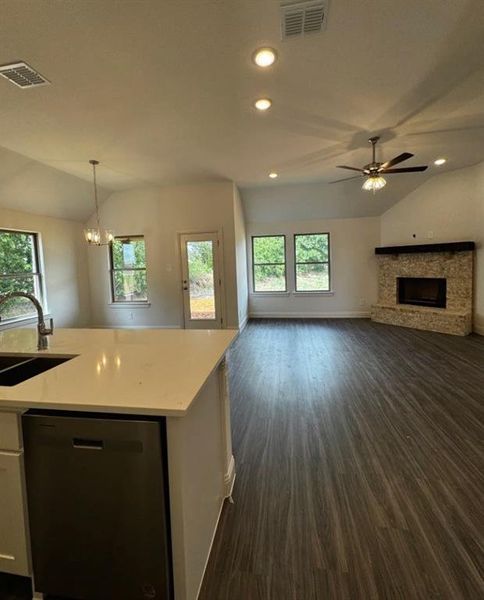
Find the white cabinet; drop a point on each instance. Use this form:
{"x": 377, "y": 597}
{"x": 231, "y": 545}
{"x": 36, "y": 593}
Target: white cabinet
{"x": 14, "y": 552}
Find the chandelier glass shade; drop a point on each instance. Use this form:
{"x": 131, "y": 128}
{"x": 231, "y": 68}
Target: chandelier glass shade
{"x": 374, "y": 183}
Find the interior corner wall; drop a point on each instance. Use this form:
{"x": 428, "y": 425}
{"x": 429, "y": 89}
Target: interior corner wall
{"x": 161, "y": 214}
{"x": 65, "y": 264}
{"x": 353, "y": 270}
{"x": 446, "y": 208}
{"x": 241, "y": 260}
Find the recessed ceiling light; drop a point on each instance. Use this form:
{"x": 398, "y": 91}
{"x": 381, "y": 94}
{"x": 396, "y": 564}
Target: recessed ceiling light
{"x": 264, "y": 57}
{"x": 440, "y": 161}
{"x": 273, "y": 175}
{"x": 263, "y": 104}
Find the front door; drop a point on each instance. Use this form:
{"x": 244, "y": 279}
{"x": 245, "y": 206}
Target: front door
{"x": 201, "y": 280}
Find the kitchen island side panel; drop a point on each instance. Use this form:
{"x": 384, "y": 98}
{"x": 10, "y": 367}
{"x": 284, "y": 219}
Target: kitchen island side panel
{"x": 198, "y": 447}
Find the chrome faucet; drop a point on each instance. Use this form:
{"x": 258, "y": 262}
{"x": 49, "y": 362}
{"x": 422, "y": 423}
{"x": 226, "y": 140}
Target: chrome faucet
{"x": 42, "y": 330}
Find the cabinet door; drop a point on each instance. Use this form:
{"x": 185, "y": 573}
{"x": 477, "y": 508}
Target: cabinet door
{"x": 13, "y": 534}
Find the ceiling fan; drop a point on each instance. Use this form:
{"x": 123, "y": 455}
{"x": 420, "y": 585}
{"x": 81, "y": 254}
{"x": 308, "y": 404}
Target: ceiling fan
{"x": 373, "y": 171}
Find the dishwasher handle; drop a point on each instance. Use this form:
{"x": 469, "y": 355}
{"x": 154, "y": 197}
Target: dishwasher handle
{"x": 87, "y": 444}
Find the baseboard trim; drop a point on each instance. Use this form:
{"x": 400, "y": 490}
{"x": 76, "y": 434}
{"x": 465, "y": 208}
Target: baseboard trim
{"x": 210, "y": 548}
{"x": 135, "y": 327}
{"x": 479, "y": 329}
{"x": 311, "y": 315}
{"x": 229, "y": 480}
{"x": 243, "y": 325}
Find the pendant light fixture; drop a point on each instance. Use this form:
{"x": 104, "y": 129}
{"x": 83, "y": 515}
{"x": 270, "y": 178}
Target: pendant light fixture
{"x": 93, "y": 235}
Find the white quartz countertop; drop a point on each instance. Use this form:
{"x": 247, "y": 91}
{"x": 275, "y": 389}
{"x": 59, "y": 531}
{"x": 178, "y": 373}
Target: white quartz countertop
{"x": 145, "y": 371}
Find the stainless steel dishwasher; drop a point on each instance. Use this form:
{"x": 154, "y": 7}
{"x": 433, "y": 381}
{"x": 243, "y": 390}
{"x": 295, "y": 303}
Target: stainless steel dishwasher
{"x": 98, "y": 506}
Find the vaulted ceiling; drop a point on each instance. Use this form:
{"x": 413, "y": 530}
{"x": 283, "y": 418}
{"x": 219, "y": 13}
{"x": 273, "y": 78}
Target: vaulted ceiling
{"x": 162, "y": 92}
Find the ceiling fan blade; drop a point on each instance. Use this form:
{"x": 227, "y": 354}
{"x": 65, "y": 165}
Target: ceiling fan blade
{"x": 346, "y": 179}
{"x": 398, "y": 159}
{"x": 350, "y": 168}
{"x": 406, "y": 170}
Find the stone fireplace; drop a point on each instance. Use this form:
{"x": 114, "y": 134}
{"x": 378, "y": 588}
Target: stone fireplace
{"x": 426, "y": 287}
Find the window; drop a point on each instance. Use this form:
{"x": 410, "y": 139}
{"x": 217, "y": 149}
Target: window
{"x": 19, "y": 272}
{"x": 128, "y": 269}
{"x": 311, "y": 256}
{"x": 269, "y": 263}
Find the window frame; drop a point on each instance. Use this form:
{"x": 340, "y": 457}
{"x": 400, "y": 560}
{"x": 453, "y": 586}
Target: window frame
{"x": 254, "y": 264}
{"x": 113, "y": 270}
{"x": 328, "y": 262}
{"x": 40, "y": 292}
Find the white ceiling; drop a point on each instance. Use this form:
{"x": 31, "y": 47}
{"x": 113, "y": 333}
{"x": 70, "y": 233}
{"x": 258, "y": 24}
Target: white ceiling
{"x": 161, "y": 92}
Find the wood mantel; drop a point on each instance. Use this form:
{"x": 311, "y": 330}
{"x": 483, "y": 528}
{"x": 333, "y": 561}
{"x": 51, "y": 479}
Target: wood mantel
{"x": 422, "y": 248}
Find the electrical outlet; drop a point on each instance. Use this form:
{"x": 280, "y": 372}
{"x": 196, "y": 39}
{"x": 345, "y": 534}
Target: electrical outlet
{"x": 430, "y": 235}
{"x": 362, "y": 302}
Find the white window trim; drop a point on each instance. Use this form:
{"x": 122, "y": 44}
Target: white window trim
{"x": 265, "y": 294}
{"x": 129, "y": 305}
{"x": 307, "y": 293}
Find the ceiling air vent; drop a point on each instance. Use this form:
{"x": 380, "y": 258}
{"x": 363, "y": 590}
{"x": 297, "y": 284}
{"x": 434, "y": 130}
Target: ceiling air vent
{"x": 22, "y": 75}
{"x": 302, "y": 17}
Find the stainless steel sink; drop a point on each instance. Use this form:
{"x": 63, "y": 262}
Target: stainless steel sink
{"x": 15, "y": 369}
{"x": 7, "y": 361}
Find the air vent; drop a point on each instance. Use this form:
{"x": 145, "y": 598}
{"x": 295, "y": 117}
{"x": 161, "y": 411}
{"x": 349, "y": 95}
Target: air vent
{"x": 22, "y": 75}
{"x": 300, "y": 17}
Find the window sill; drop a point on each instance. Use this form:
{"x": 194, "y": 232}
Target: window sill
{"x": 129, "y": 304}
{"x": 19, "y": 322}
{"x": 264, "y": 294}
{"x": 330, "y": 293}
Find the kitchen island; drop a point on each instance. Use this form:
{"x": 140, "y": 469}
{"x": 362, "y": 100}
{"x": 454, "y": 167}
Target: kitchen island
{"x": 177, "y": 374}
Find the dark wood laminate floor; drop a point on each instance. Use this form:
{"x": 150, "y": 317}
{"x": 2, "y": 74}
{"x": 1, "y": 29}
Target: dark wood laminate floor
{"x": 359, "y": 465}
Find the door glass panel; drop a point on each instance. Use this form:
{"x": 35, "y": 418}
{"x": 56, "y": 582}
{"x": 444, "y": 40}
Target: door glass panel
{"x": 201, "y": 280}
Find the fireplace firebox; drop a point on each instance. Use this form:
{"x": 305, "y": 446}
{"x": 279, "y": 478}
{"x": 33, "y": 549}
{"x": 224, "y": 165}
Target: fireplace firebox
{"x": 422, "y": 291}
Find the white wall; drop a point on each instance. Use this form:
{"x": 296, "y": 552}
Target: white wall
{"x": 447, "y": 208}
{"x": 29, "y": 186}
{"x": 353, "y": 270}
{"x": 241, "y": 259}
{"x": 160, "y": 214}
{"x": 65, "y": 262}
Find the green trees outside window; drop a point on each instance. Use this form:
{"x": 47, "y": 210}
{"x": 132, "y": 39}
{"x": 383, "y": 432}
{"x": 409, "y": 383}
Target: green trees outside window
{"x": 19, "y": 272}
{"x": 269, "y": 263}
{"x": 201, "y": 279}
{"x": 311, "y": 263}
{"x": 128, "y": 269}
{"x": 311, "y": 258}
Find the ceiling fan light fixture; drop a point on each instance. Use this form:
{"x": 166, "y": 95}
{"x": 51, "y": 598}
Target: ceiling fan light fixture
{"x": 374, "y": 170}
{"x": 374, "y": 183}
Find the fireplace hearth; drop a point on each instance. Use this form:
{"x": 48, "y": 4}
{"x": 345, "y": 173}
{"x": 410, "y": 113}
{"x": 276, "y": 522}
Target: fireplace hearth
{"x": 422, "y": 291}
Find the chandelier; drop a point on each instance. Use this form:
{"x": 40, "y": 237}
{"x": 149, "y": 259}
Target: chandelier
{"x": 93, "y": 235}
